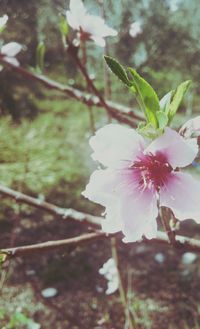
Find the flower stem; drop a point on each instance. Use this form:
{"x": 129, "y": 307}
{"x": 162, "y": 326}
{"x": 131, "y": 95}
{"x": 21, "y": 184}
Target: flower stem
{"x": 165, "y": 218}
{"x": 84, "y": 53}
{"x": 131, "y": 322}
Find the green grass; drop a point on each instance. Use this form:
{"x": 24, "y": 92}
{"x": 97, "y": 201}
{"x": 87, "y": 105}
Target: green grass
{"x": 53, "y": 147}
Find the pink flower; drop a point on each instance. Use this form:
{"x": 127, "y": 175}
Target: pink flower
{"x": 89, "y": 27}
{"x": 9, "y": 51}
{"x": 140, "y": 177}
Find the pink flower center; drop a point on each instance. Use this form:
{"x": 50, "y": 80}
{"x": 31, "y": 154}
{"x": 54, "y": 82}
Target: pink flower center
{"x": 152, "y": 170}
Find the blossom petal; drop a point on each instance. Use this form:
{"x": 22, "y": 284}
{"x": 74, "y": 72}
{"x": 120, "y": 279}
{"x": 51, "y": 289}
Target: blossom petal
{"x": 139, "y": 212}
{"x": 72, "y": 20}
{"x": 98, "y": 40}
{"x": 11, "y": 60}
{"x": 114, "y": 145}
{"x": 76, "y": 15}
{"x": 77, "y": 7}
{"x": 97, "y": 27}
{"x": 181, "y": 193}
{"x": 113, "y": 222}
{"x": 102, "y": 187}
{"x": 11, "y": 49}
{"x": 178, "y": 151}
{"x": 191, "y": 127}
{"x": 3, "y": 21}
{"x": 135, "y": 29}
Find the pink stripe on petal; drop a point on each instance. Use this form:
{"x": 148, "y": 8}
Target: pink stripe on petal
{"x": 178, "y": 151}
{"x": 181, "y": 193}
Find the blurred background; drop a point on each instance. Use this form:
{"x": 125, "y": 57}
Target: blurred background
{"x": 44, "y": 152}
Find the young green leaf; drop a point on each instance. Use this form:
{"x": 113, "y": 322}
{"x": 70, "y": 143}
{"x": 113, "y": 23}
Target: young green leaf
{"x": 165, "y": 101}
{"x": 63, "y": 26}
{"x": 40, "y": 52}
{"x": 118, "y": 70}
{"x": 148, "y": 98}
{"x": 162, "y": 119}
{"x": 3, "y": 257}
{"x": 149, "y": 131}
{"x": 177, "y": 98}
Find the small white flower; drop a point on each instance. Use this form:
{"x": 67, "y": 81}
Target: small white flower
{"x": 3, "y": 21}
{"x": 135, "y": 29}
{"x": 89, "y": 27}
{"x": 110, "y": 272}
{"x": 9, "y": 51}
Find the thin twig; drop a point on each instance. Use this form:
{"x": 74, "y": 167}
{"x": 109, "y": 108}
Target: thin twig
{"x": 120, "y": 112}
{"x": 49, "y": 245}
{"x": 182, "y": 242}
{"x": 73, "y": 52}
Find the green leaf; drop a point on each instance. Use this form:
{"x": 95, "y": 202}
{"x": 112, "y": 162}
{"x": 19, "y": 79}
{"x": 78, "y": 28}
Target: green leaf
{"x": 165, "y": 101}
{"x": 148, "y": 98}
{"x": 118, "y": 70}
{"x": 162, "y": 118}
{"x": 177, "y": 98}
{"x": 3, "y": 256}
{"x": 63, "y": 26}
{"x": 149, "y": 131}
{"x": 40, "y": 52}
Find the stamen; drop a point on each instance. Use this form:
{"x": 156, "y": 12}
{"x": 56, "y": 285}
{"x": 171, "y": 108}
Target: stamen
{"x": 152, "y": 170}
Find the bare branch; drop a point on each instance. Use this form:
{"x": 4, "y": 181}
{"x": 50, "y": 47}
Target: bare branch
{"x": 51, "y": 208}
{"x": 49, "y": 245}
{"x": 181, "y": 242}
{"x": 119, "y": 112}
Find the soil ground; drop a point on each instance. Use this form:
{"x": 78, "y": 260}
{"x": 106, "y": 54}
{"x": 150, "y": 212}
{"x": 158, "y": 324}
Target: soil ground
{"x": 163, "y": 294}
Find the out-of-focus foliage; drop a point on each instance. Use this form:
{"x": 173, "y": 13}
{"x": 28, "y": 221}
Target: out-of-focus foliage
{"x": 168, "y": 42}
{"x": 166, "y": 53}
{"x": 52, "y": 148}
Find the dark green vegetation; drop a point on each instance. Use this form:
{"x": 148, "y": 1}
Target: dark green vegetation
{"x": 44, "y": 152}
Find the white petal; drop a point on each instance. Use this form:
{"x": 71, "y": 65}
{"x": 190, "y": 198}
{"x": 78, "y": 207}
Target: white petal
{"x": 178, "y": 151}
{"x": 135, "y": 29}
{"x": 139, "y": 212}
{"x": 72, "y": 20}
{"x": 115, "y": 145}
{"x": 11, "y": 49}
{"x": 98, "y": 40}
{"x": 102, "y": 187}
{"x": 191, "y": 127}
{"x": 181, "y": 194}
{"x": 11, "y": 60}
{"x": 3, "y": 21}
{"x": 76, "y": 15}
{"x": 113, "y": 222}
{"x": 77, "y": 7}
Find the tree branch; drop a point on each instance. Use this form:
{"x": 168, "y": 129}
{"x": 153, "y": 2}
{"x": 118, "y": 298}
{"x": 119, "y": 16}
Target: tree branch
{"x": 181, "y": 242}
{"x": 119, "y": 112}
{"x": 49, "y": 245}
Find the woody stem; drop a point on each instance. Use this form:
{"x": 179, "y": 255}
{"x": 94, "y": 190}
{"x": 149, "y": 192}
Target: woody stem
{"x": 165, "y": 218}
